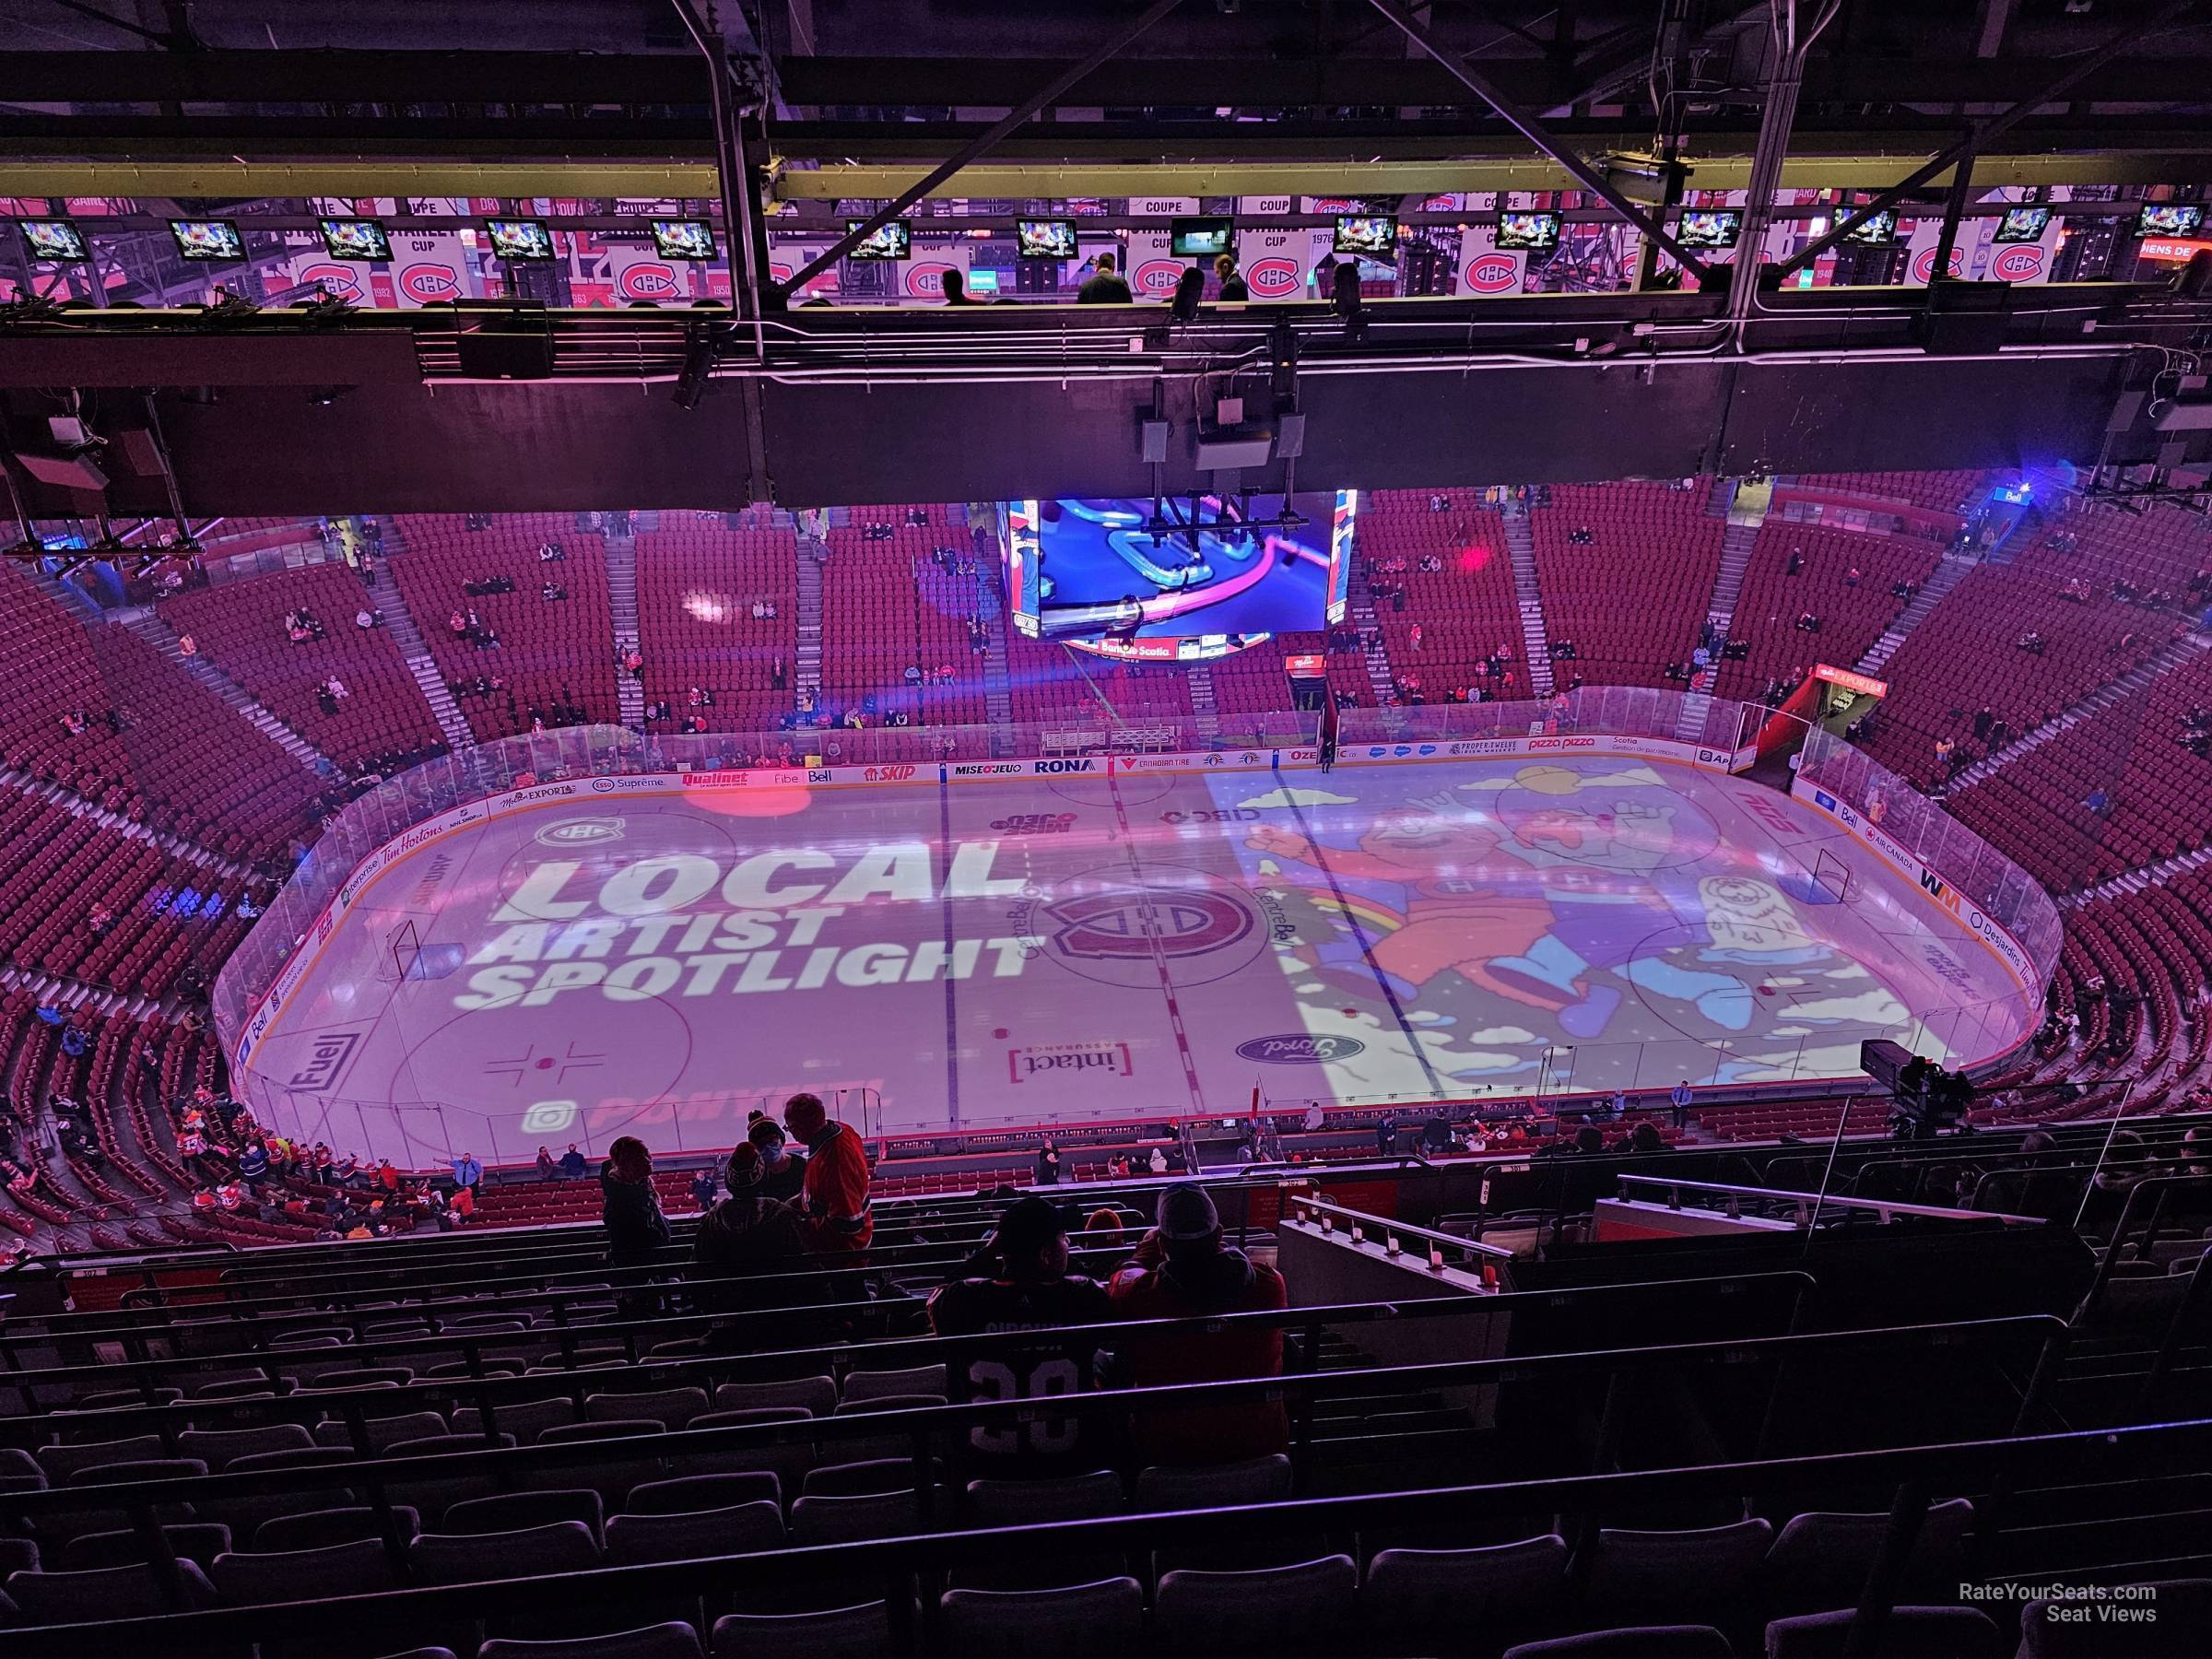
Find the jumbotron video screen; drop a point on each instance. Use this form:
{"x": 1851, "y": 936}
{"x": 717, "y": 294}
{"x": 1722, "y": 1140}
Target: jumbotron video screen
{"x": 1180, "y": 580}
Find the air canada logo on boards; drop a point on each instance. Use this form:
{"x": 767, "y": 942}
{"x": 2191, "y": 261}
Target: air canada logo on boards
{"x": 1491, "y": 273}
{"x": 1274, "y": 277}
{"x": 1298, "y": 1049}
{"x": 1124, "y": 924}
{"x": 648, "y": 282}
{"x": 580, "y": 832}
{"x": 427, "y": 283}
{"x": 2018, "y": 264}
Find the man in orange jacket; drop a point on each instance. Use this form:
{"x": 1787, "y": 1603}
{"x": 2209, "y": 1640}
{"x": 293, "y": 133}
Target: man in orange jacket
{"x": 834, "y": 1199}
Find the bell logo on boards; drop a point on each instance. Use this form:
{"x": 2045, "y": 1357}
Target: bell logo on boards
{"x": 1491, "y": 273}
{"x": 1274, "y": 277}
{"x": 427, "y": 283}
{"x": 2018, "y": 264}
{"x": 649, "y": 282}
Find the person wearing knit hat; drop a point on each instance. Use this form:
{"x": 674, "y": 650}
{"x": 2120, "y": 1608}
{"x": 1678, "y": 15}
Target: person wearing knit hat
{"x": 745, "y": 1234}
{"x": 1182, "y": 1269}
{"x": 1021, "y": 1283}
{"x": 783, "y": 1172}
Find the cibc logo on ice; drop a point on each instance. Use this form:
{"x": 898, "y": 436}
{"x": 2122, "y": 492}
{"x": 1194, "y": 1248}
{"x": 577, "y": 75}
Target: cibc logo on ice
{"x": 1301, "y": 1050}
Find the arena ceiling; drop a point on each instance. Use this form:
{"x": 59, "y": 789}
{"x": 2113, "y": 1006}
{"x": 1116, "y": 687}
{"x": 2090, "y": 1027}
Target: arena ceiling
{"x": 831, "y": 107}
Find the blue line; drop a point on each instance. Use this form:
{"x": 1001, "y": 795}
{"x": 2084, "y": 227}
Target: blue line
{"x": 952, "y": 1024}
{"x": 1367, "y": 949}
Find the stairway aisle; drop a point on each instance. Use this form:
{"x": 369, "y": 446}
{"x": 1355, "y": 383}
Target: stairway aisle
{"x": 148, "y": 626}
{"x": 1528, "y": 598}
{"x": 399, "y": 622}
{"x": 622, "y": 606}
{"x": 2104, "y": 696}
{"x": 1949, "y": 570}
{"x": 807, "y": 658}
{"x": 990, "y": 607}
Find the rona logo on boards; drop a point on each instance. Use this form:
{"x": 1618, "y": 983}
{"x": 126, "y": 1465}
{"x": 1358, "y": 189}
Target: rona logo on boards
{"x": 1274, "y": 277}
{"x": 1491, "y": 273}
{"x": 1298, "y": 1049}
{"x": 427, "y": 283}
{"x": 1086, "y": 763}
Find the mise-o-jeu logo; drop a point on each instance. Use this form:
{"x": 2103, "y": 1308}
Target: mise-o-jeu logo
{"x": 1300, "y": 1049}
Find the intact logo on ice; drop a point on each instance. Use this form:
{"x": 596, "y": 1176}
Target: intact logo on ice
{"x": 581, "y": 832}
{"x": 1298, "y": 1049}
{"x": 1109, "y": 1059}
{"x": 1126, "y": 925}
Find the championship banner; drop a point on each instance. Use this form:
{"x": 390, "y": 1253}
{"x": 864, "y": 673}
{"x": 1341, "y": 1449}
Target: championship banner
{"x": 1153, "y": 271}
{"x": 923, "y": 277}
{"x": 431, "y": 267}
{"x": 1486, "y": 270}
{"x": 1277, "y": 265}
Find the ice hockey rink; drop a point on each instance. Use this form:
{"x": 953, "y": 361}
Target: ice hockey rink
{"x": 968, "y": 951}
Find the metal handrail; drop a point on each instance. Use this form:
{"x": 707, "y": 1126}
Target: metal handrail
{"x": 1395, "y": 1229}
{"x": 1808, "y": 1203}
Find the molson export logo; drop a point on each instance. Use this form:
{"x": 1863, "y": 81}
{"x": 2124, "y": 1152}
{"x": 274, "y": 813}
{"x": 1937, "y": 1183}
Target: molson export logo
{"x": 429, "y": 283}
{"x": 1491, "y": 273}
{"x": 2018, "y": 264}
{"x": 1274, "y": 277}
{"x": 649, "y": 282}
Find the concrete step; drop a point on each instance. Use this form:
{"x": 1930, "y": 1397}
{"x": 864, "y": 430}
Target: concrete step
{"x": 1535, "y": 638}
{"x": 148, "y": 626}
{"x": 384, "y": 596}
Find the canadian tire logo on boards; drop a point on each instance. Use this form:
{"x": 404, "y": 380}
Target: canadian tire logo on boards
{"x": 649, "y": 282}
{"x": 2018, "y": 264}
{"x": 428, "y": 283}
{"x": 1298, "y": 1049}
{"x": 1274, "y": 277}
{"x": 1491, "y": 273}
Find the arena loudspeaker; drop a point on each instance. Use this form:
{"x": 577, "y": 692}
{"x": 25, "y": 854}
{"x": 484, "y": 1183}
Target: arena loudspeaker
{"x": 1962, "y": 319}
{"x": 65, "y": 472}
{"x": 509, "y": 348}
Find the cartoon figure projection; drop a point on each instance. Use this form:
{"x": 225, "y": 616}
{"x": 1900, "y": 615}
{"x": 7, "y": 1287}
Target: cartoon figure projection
{"x": 1600, "y": 847}
{"x": 1459, "y": 913}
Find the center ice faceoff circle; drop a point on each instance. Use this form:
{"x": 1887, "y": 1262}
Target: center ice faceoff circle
{"x": 997, "y": 951}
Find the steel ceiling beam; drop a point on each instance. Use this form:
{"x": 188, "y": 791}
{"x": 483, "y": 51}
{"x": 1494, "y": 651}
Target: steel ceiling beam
{"x": 1530, "y": 128}
{"x": 1968, "y": 147}
{"x": 981, "y": 146}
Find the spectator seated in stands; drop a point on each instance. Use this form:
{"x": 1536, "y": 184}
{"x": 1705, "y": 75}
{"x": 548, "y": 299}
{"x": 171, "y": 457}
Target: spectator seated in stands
{"x": 834, "y": 1193}
{"x": 746, "y": 1232}
{"x": 629, "y": 1207}
{"x": 573, "y": 1164}
{"x": 2032, "y": 642}
{"x": 1182, "y": 1269}
{"x": 1019, "y": 1282}
{"x": 552, "y": 590}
